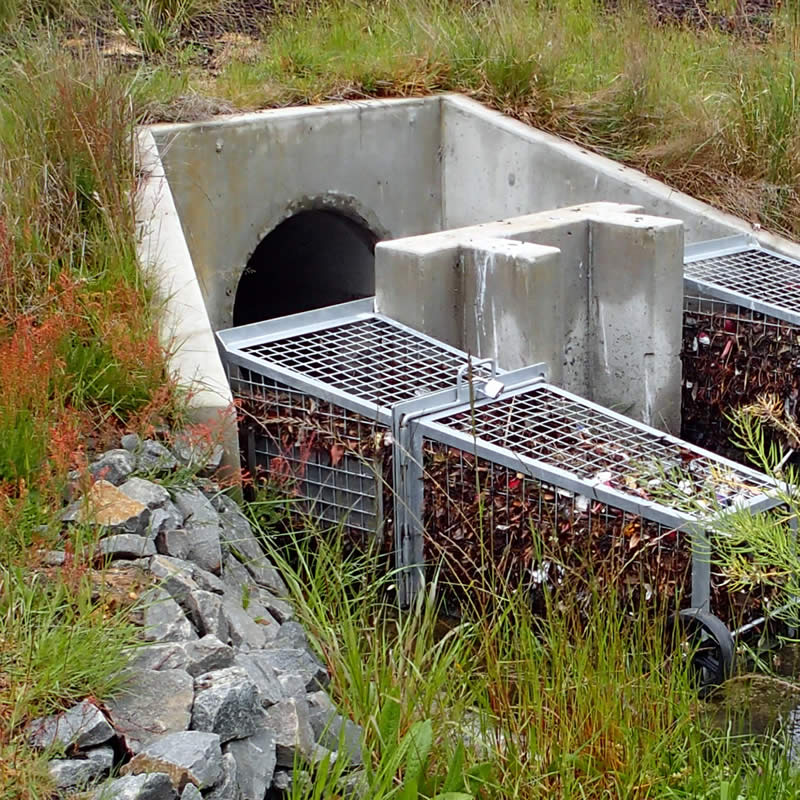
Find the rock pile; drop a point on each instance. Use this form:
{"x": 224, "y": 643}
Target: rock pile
{"x": 224, "y": 695}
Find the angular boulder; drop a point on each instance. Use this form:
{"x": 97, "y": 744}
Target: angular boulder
{"x": 105, "y": 505}
{"x": 255, "y": 763}
{"x": 82, "y": 726}
{"x": 151, "y": 704}
{"x": 71, "y": 773}
{"x": 289, "y": 722}
{"x": 207, "y": 654}
{"x": 164, "y": 619}
{"x": 187, "y": 757}
{"x": 153, "y": 786}
{"x": 226, "y": 703}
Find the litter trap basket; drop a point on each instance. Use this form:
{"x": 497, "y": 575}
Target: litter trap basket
{"x": 496, "y": 479}
{"x": 319, "y": 395}
{"x": 741, "y": 336}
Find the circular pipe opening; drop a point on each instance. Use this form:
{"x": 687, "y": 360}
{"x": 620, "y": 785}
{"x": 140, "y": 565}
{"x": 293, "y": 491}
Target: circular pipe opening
{"x": 313, "y": 259}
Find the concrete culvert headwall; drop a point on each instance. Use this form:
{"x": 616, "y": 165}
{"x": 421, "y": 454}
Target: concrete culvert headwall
{"x": 312, "y": 259}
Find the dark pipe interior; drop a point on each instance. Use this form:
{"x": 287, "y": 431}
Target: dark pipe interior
{"x": 311, "y": 260}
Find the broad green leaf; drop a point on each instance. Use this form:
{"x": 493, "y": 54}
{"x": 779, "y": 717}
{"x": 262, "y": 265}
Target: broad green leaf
{"x": 454, "y": 782}
{"x": 389, "y": 722}
{"x": 478, "y": 775}
{"x": 420, "y": 737}
{"x": 409, "y": 790}
{"x": 454, "y": 796}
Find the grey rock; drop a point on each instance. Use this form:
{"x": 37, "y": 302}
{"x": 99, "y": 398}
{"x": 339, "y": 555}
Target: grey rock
{"x": 235, "y": 577}
{"x": 196, "y": 507}
{"x": 228, "y": 786}
{"x": 279, "y": 609}
{"x": 238, "y": 535}
{"x": 113, "y": 466}
{"x": 226, "y": 703}
{"x": 262, "y": 617}
{"x": 81, "y": 726}
{"x": 80, "y": 772}
{"x": 206, "y": 611}
{"x": 197, "y": 454}
{"x": 107, "y": 506}
{"x": 207, "y": 581}
{"x": 243, "y": 632}
{"x": 297, "y": 662}
{"x": 320, "y": 706}
{"x": 153, "y": 786}
{"x": 292, "y": 684}
{"x": 263, "y": 675}
{"x": 255, "y": 763}
{"x": 207, "y": 654}
{"x": 355, "y": 785}
{"x": 126, "y": 545}
{"x": 164, "y": 619}
{"x": 187, "y": 757}
{"x": 159, "y": 521}
{"x": 342, "y": 735}
{"x": 205, "y": 549}
{"x": 175, "y": 543}
{"x": 289, "y": 721}
{"x": 165, "y": 655}
{"x": 55, "y": 558}
{"x": 282, "y": 780}
{"x": 130, "y": 442}
{"x": 150, "y": 704}
{"x": 175, "y": 577}
{"x": 175, "y": 514}
{"x": 154, "y": 458}
{"x": 191, "y": 792}
{"x": 146, "y": 492}
{"x": 292, "y": 635}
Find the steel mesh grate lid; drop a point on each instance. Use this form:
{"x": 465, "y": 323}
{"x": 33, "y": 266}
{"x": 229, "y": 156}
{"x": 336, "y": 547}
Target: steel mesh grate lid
{"x": 759, "y": 274}
{"x": 562, "y": 431}
{"x": 370, "y": 358}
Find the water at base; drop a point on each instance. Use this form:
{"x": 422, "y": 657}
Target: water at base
{"x": 757, "y": 704}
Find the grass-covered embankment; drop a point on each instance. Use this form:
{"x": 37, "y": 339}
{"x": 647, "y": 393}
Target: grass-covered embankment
{"x": 711, "y": 113}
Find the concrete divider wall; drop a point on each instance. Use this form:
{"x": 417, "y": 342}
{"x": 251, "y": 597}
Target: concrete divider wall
{"x": 595, "y": 291}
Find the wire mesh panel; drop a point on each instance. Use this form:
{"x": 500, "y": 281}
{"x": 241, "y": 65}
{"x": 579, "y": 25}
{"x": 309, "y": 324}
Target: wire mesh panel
{"x": 334, "y": 462}
{"x": 373, "y": 359}
{"x": 539, "y": 485}
{"x": 741, "y": 342}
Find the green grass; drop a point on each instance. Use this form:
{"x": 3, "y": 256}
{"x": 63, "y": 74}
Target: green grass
{"x": 59, "y": 644}
{"x": 567, "y": 705}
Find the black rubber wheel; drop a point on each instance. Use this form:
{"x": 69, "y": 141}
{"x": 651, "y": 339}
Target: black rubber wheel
{"x": 706, "y": 641}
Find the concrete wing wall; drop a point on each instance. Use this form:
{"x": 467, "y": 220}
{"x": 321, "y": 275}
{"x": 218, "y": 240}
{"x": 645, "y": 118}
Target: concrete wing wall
{"x": 496, "y": 167}
{"x": 235, "y": 178}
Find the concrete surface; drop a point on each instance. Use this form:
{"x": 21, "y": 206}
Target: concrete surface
{"x": 595, "y": 291}
{"x": 236, "y": 178}
{"x": 184, "y": 328}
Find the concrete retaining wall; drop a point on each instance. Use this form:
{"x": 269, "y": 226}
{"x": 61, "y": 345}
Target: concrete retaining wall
{"x": 214, "y": 189}
{"x": 235, "y": 178}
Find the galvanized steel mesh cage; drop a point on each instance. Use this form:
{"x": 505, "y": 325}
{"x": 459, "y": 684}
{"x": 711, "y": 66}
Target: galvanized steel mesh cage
{"x": 535, "y": 482}
{"x": 317, "y": 394}
{"x": 741, "y": 336}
